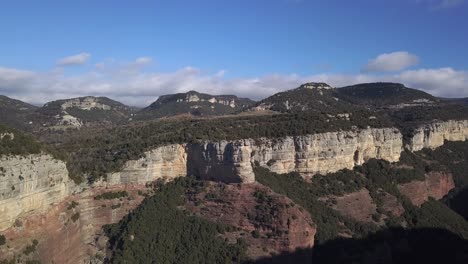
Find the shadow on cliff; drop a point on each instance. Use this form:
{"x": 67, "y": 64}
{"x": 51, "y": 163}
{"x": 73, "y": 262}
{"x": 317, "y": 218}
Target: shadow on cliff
{"x": 395, "y": 245}
{"x": 457, "y": 201}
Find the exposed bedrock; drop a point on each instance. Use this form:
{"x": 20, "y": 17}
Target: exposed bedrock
{"x": 232, "y": 160}
{"x": 30, "y": 183}
{"x": 433, "y": 135}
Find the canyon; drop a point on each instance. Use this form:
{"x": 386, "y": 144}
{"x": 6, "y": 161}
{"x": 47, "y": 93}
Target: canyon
{"x": 36, "y": 188}
{"x": 232, "y": 161}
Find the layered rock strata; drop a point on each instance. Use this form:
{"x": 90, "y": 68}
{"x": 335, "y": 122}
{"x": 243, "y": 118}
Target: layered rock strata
{"x": 30, "y": 183}
{"x": 433, "y": 135}
{"x": 232, "y": 161}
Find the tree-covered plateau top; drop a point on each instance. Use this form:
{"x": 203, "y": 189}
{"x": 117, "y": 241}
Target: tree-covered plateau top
{"x": 194, "y": 103}
{"x": 88, "y": 109}
{"x": 14, "y": 142}
{"x": 96, "y": 153}
{"x": 384, "y": 94}
{"x": 316, "y": 97}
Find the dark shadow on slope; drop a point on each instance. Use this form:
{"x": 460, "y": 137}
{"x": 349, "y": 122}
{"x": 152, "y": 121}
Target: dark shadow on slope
{"x": 395, "y": 245}
{"x": 457, "y": 201}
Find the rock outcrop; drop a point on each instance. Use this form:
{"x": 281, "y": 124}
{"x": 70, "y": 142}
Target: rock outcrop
{"x": 433, "y": 135}
{"x": 329, "y": 152}
{"x": 71, "y": 231}
{"x": 231, "y": 161}
{"x": 30, "y": 183}
{"x": 436, "y": 185}
{"x": 86, "y": 103}
{"x": 163, "y": 162}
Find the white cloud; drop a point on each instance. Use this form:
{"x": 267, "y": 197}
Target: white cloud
{"x": 389, "y": 62}
{"x": 133, "y": 86}
{"x": 77, "y": 59}
{"x": 143, "y": 60}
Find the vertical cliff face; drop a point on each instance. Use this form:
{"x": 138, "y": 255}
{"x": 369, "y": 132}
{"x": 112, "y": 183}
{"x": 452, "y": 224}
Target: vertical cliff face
{"x": 231, "y": 161}
{"x": 433, "y": 135}
{"x": 228, "y": 161}
{"x": 328, "y": 152}
{"x": 30, "y": 183}
{"x": 164, "y": 162}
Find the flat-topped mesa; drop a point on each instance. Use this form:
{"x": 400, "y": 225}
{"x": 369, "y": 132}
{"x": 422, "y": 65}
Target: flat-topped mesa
{"x": 195, "y": 104}
{"x": 30, "y": 183}
{"x": 433, "y": 135}
{"x": 193, "y": 96}
{"x": 315, "y": 85}
{"x": 85, "y": 103}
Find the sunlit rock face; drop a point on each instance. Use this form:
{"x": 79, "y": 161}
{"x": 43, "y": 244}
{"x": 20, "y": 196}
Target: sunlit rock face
{"x": 30, "y": 183}
{"x": 328, "y": 152}
{"x": 163, "y": 162}
{"x": 232, "y": 161}
{"x": 433, "y": 135}
{"x": 86, "y": 103}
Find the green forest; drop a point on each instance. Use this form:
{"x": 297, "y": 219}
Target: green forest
{"x": 159, "y": 232}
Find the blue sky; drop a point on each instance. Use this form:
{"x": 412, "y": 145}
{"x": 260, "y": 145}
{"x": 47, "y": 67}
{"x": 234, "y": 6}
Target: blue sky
{"x": 135, "y": 51}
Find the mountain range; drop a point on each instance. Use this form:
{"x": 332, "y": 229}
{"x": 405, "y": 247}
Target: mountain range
{"x": 310, "y": 97}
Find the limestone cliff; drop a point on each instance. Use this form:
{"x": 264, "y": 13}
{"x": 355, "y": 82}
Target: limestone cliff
{"x": 164, "y": 162}
{"x": 329, "y": 152}
{"x": 433, "y": 135}
{"x": 30, "y": 183}
{"x": 231, "y": 161}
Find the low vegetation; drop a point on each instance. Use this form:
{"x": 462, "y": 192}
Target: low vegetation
{"x": 14, "y": 142}
{"x": 111, "y": 195}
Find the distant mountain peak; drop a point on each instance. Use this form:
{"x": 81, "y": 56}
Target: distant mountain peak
{"x": 85, "y": 103}
{"x": 315, "y": 85}
{"x": 386, "y": 94}
{"x": 312, "y": 96}
{"x": 195, "y": 103}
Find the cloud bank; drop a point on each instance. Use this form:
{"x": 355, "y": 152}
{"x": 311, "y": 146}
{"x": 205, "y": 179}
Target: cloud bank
{"x": 132, "y": 83}
{"x": 389, "y": 62}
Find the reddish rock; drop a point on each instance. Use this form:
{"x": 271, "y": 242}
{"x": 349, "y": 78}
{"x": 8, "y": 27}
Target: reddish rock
{"x": 392, "y": 205}
{"x": 268, "y": 222}
{"x": 436, "y": 185}
{"x": 357, "y": 205}
{"x": 63, "y": 240}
